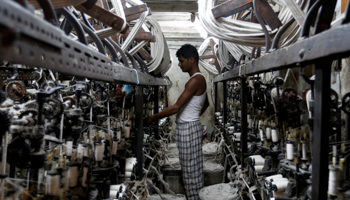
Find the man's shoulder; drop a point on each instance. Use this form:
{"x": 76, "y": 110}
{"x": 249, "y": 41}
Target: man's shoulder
{"x": 197, "y": 82}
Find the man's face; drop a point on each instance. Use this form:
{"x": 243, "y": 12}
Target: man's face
{"x": 184, "y": 64}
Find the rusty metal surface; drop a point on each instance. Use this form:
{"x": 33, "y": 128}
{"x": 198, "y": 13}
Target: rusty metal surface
{"x": 140, "y": 36}
{"x": 58, "y": 3}
{"x": 145, "y": 55}
{"x": 231, "y": 7}
{"x": 267, "y": 13}
{"x": 38, "y": 43}
{"x": 133, "y": 13}
{"x": 135, "y": 9}
{"x": 331, "y": 43}
{"x": 104, "y": 16}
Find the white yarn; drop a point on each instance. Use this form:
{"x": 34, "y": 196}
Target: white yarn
{"x": 52, "y": 184}
{"x": 126, "y": 44}
{"x": 274, "y": 135}
{"x": 73, "y": 176}
{"x": 99, "y": 148}
{"x": 268, "y": 132}
{"x": 115, "y": 148}
{"x": 333, "y": 181}
{"x": 259, "y": 160}
{"x": 290, "y": 151}
{"x": 261, "y": 133}
{"x": 237, "y": 36}
{"x": 304, "y": 156}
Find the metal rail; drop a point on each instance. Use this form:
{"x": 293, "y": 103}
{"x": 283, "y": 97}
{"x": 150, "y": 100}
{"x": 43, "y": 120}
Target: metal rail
{"x": 331, "y": 43}
{"x": 27, "y": 39}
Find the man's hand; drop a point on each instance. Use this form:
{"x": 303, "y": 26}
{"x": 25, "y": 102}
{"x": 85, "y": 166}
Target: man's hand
{"x": 148, "y": 121}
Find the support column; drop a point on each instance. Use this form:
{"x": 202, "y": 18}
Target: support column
{"x": 156, "y": 110}
{"x": 320, "y": 133}
{"x": 224, "y": 112}
{"x": 139, "y": 131}
{"x": 216, "y": 97}
{"x": 244, "y": 124}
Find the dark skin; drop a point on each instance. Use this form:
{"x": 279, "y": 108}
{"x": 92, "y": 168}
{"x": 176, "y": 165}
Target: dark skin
{"x": 196, "y": 86}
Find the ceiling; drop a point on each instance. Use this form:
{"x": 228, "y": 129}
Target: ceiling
{"x": 174, "y": 5}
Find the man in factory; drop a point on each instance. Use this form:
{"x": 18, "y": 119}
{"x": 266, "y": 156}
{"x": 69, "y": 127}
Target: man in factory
{"x": 189, "y": 131}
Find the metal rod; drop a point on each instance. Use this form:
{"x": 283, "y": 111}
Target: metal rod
{"x": 322, "y": 112}
{"x": 244, "y": 125}
{"x": 216, "y": 97}
{"x": 224, "y": 87}
{"x": 139, "y": 130}
{"x": 156, "y": 110}
{"x": 321, "y": 130}
{"x": 3, "y": 165}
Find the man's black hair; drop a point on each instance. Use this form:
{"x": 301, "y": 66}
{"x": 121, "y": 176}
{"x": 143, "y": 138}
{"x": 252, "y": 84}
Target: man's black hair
{"x": 188, "y": 51}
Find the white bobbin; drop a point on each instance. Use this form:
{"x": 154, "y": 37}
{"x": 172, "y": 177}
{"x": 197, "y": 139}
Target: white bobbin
{"x": 290, "y": 150}
{"x": 268, "y": 132}
{"x": 333, "y": 181}
{"x": 99, "y": 149}
{"x": 274, "y": 135}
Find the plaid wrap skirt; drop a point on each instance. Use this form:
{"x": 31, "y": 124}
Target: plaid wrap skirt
{"x": 189, "y": 142}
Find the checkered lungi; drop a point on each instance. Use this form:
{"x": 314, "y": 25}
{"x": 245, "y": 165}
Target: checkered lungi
{"x": 189, "y": 142}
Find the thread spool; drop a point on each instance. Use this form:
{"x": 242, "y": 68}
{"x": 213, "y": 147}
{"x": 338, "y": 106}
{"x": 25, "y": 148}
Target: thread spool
{"x": 249, "y": 121}
{"x": 99, "y": 148}
{"x": 128, "y": 174}
{"x": 268, "y": 132}
{"x": 129, "y": 164}
{"x": 119, "y": 134}
{"x": 258, "y": 168}
{"x": 145, "y": 137}
{"x": 303, "y": 151}
{"x": 231, "y": 128}
{"x": 261, "y": 133}
{"x": 86, "y": 151}
{"x": 280, "y": 185}
{"x": 273, "y": 177}
{"x": 274, "y": 135}
{"x": 73, "y": 174}
{"x": 65, "y": 180}
{"x": 52, "y": 183}
{"x": 114, "y": 194}
{"x": 333, "y": 181}
{"x": 115, "y": 147}
{"x": 290, "y": 150}
{"x": 120, "y": 187}
{"x": 258, "y": 159}
{"x": 69, "y": 148}
{"x": 127, "y": 131}
{"x": 237, "y": 136}
{"x": 80, "y": 152}
{"x": 85, "y": 176}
